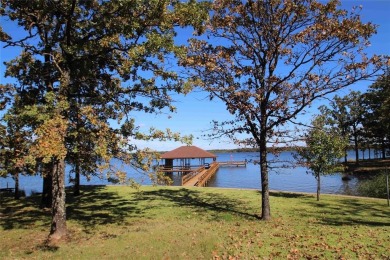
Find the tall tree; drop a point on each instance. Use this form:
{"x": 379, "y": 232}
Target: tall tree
{"x": 269, "y": 60}
{"x": 354, "y": 103}
{"x": 347, "y": 114}
{"x": 376, "y": 119}
{"x": 324, "y": 147}
{"x": 86, "y": 63}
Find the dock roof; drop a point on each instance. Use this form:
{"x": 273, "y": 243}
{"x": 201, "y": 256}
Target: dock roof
{"x": 185, "y": 152}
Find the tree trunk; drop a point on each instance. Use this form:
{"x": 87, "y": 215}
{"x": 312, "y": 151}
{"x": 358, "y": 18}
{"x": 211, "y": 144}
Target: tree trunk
{"x": 16, "y": 179}
{"x": 355, "y": 137}
{"x": 58, "y": 224}
{"x": 318, "y": 187}
{"x": 47, "y": 197}
{"x": 346, "y": 156}
{"x": 265, "y": 205}
{"x": 383, "y": 149}
{"x": 346, "y": 149}
{"x": 76, "y": 187}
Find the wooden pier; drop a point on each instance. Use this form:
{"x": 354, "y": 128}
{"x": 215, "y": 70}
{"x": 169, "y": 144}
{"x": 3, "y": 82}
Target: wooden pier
{"x": 233, "y": 163}
{"x": 178, "y": 169}
{"x": 193, "y": 175}
{"x": 7, "y": 189}
{"x": 206, "y": 176}
{"x": 200, "y": 176}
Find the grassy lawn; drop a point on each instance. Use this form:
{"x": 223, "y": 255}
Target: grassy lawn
{"x": 198, "y": 223}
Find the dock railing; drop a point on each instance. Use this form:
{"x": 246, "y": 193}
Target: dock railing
{"x": 7, "y": 189}
{"x": 190, "y": 168}
{"x": 233, "y": 163}
{"x": 191, "y": 175}
{"x": 204, "y": 178}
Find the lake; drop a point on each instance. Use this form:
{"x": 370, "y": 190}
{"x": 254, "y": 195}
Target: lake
{"x": 282, "y": 178}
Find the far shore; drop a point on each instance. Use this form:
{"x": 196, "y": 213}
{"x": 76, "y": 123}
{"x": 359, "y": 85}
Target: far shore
{"x": 368, "y": 166}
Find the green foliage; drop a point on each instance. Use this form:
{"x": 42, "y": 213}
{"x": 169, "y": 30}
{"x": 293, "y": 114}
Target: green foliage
{"x": 347, "y": 113}
{"x": 377, "y": 105}
{"x": 15, "y": 144}
{"x": 362, "y": 117}
{"x": 324, "y": 147}
{"x": 374, "y": 186}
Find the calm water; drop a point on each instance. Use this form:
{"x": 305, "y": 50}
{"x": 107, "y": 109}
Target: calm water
{"x": 281, "y": 178}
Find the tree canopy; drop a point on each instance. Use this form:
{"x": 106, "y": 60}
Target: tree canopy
{"x": 86, "y": 64}
{"x": 269, "y": 60}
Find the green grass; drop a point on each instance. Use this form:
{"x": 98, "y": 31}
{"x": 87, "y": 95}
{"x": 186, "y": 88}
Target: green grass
{"x": 198, "y": 223}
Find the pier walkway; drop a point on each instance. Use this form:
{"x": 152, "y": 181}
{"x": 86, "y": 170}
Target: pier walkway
{"x": 200, "y": 176}
{"x": 233, "y": 163}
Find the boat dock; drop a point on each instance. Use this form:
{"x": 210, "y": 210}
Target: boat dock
{"x": 200, "y": 176}
{"x": 7, "y": 189}
{"x": 194, "y": 175}
{"x": 178, "y": 169}
{"x": 233, "y": 163}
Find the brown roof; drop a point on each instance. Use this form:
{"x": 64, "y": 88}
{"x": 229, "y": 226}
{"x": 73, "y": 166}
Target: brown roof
{"x": 185, "y": 152}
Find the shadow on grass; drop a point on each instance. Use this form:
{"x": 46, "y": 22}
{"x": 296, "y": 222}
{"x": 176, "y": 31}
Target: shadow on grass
{"x": 200, "y": 202}
{"x": 288, "y": 195}
{"x": 98, "y": 206}
{"x": 48, "y": 248}
{"x": 94, "y": 206}
{"x": 350, "y": 212}
{"x": 22, "y": 213}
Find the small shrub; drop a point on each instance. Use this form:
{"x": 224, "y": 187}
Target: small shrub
{"x": 373, "y": 187}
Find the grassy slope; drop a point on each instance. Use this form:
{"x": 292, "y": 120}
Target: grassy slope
{"x": 198, "y": 223}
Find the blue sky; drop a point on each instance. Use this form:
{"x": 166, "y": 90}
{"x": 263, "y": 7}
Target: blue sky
{"x": 195, "y": 111}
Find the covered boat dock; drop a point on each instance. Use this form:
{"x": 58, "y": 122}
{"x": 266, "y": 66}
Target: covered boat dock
{"x": 193, "y": 175}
